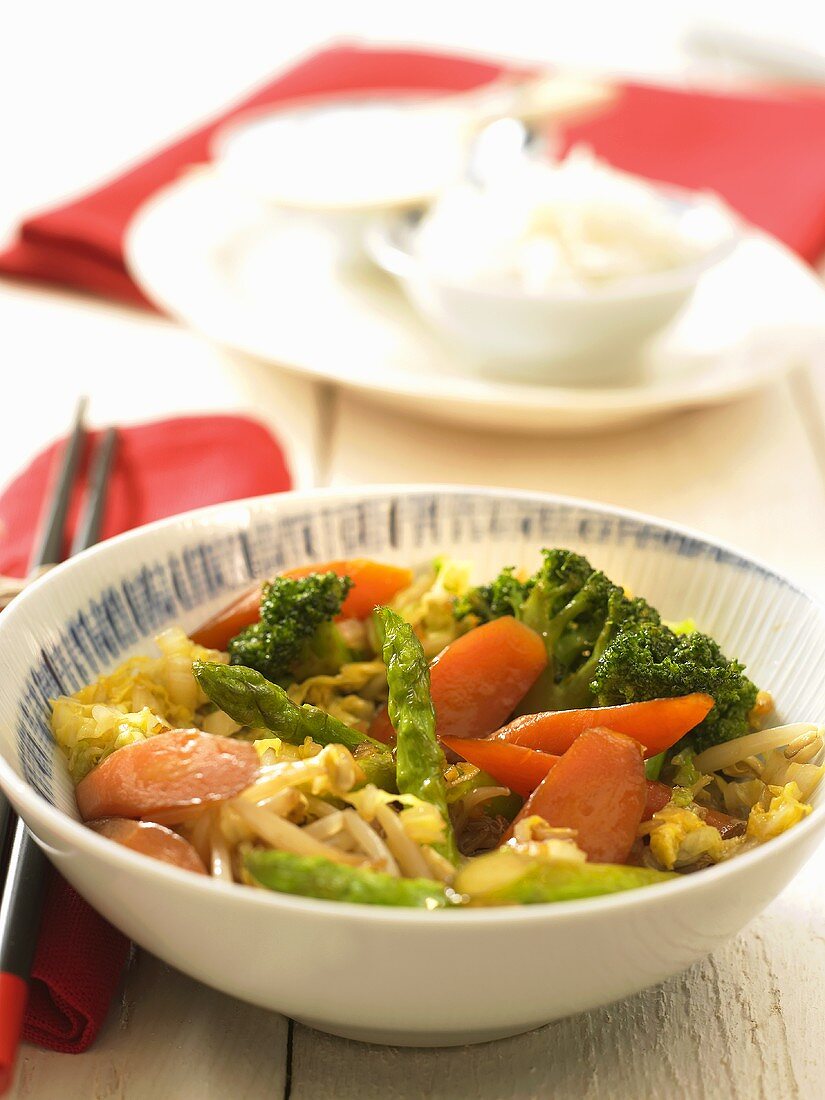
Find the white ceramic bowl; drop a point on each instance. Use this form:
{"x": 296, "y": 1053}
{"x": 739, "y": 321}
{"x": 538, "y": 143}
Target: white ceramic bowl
{"x": 331, "y": 163}
{"x": 389, "y": 975}
{"x": 569, "y": 335}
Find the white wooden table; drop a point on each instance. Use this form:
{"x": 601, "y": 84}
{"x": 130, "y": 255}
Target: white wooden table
{"x": 747, "y": 1022}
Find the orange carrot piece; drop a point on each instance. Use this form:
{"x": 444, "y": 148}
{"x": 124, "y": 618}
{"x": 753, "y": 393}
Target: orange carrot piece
{"x": 478, "y": 679}
{"x": 374, "y": 583}
{"x": 522, "y": 770}
{"x": 230, "y": 620}
{"x": 597, "y": 788}
{"x": 656, "y": 724}
{"x": 513, "y": 766}
{"x": 659, "y": 794}
{"x": 166, "y": 777}
{"x": 152, "y": 840}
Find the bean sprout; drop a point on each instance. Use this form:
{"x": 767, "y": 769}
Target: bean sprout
{"x": 407, "y": 854}
{"x": 220, "y": 861}
{"x": 731, "y": 752}
{"x": 286, "y": 836}
{"x": 370, "y": 842}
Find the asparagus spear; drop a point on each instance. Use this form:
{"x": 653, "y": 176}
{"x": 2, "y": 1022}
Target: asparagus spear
{"x": 252, "y": 700}
{"x": 316, "y": 877}
{"x": 505, "y": 876}
{"x": 420, "y": 761}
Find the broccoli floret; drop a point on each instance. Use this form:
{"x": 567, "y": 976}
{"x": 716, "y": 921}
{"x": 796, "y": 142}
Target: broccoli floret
{"x": 295, "y": 636}
{"x": 605, "y": 648}
{"x": 653, "y": 662}
{"x": 576, "y": 632}
{"x": 503, "y": 596}
{"x": 576, "y": 609}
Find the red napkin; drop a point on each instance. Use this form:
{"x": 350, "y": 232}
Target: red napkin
{"x": 160, "y": 469}
{"x": 764, "y": 153}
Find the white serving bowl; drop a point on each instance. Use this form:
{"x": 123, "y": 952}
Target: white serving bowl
{"x": 393, "y": 975}
{"x": 587, "y": 335}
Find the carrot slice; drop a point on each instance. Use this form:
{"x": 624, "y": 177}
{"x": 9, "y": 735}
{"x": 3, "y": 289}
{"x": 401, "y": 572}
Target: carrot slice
{"x": 152, "y": 840}
{"x": 522, "y": 770}
{"x": 374, "y": 583}
{"x": 230, "y": 620}
{"x": 165, "y": 776}
{"x": 659, "y": 794}
{"x": 477, "y": 681}
{"x": 513, "y": 766}
{"x": 597, "y": 788}
{"x": 656, "y": 724}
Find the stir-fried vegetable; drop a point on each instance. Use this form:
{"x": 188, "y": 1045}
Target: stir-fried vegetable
{"x": 597, "y": 788}
{"x": 656, "y": 724}
{"x": 280, "y": 785}
{"x": 606, "y": 649}
{"x": 315, "y": 877}
{"x": 723, "y": 756}
{"x": 427, "y": 604}
{"x": 420, "y": 761}
{"x": 295, "y": 636}
{"x": 659, "y": 795}
{"x": 514, "y": 766}
{"x": 373, "y": 583}
{"x": 576, "y": 609}
{"x": 506, "y": 876}
{"x": 652, "y": 662}
{"x": 478, "y": 680}
{"x": 252, "y": 700}
{"x": 144, "y": 696}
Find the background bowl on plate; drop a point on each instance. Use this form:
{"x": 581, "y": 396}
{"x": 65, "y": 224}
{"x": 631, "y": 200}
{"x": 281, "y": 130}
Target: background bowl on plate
{"x": 236, "y": 274}
{"x": 586, "y": 334}
{"x": 382, "y": 975}
{"x": 335, "y": 162}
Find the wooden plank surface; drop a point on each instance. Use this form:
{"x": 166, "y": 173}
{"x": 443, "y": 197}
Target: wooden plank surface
{"x": 744, "y": 1024}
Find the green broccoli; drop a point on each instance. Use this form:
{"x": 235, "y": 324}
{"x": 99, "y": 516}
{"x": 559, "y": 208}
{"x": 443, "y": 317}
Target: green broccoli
{"x": 295, "y": 636}
{"x": 653, "y": 662}
{"x": 576, "y": 609}
{"x": 503, "y": 596}
{"x": 605, "y": 648}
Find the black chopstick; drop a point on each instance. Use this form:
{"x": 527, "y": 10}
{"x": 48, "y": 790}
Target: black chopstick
{"x": 24, "y": 886}
{"x": 88, "y": 529}
{"x": 48, "y": 550}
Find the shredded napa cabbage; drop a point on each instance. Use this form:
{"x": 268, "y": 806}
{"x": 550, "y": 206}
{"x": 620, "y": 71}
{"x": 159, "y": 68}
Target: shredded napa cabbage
{"x": 272, "y": 750}
{"x": 784, "y": 810}
{"x": 89, "y": 732}
{"x": 164, "y": 684}
{"x": 142, "y": 697}
{"x": 427, "y": 605}
{"x": 352, "y": 695}
{"x": 680, "y": 837}
{"x": 421, "y": 821}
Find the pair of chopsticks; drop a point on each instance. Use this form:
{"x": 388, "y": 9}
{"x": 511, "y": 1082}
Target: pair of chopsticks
{"x": 23, "y": 887}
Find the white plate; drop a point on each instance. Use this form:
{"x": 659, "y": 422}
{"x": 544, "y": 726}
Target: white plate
{"x": 246, "y": 277}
